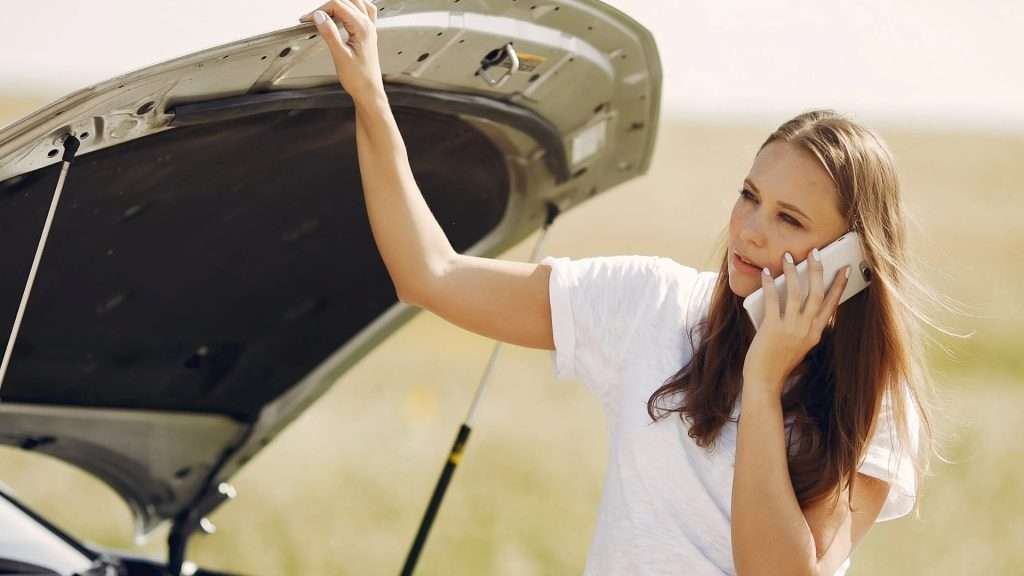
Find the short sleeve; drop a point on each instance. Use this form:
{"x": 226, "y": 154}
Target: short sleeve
{"x": 600, "y": 305}
{"x": 880, "y": 460}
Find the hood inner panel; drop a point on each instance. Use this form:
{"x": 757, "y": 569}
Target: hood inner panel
{"x": 209, "y": 268}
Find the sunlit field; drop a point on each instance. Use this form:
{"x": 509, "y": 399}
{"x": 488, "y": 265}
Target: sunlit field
{"x": 341, "y": 491}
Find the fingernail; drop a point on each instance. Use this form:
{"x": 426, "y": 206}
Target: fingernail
{"x": 847, "y": 273}
{"x": 789, "y": 257}
{"x": 766, "y": 272}
{"x": 814, "y": 254}
{"x": 319, "y": 17}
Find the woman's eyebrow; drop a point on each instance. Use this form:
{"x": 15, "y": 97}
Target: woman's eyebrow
{"x": 750, "y": 183}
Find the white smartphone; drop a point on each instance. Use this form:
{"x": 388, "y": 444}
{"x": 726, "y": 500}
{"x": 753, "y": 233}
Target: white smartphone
{"x": 844, "y": 251}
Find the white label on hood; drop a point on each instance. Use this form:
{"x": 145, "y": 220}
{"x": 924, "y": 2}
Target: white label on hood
{"x": 588, "y": 142}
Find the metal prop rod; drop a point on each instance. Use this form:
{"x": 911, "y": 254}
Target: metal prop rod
{"x": 70, "y": 149}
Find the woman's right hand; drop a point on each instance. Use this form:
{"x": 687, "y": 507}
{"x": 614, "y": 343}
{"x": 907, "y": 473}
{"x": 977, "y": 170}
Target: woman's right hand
{"x": 356, "y": 61}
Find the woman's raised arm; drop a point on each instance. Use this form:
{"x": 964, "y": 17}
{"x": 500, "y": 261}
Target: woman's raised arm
{"x": 500, "y": 299}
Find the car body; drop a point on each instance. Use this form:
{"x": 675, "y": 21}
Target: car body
{"x": 189, "y": 304}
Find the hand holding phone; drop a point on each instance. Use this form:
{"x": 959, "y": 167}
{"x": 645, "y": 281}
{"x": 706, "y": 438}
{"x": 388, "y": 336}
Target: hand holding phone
{"x": 844, "y": 251}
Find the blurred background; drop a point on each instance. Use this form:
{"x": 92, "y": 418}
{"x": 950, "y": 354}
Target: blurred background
{"x": 341, "y": 491}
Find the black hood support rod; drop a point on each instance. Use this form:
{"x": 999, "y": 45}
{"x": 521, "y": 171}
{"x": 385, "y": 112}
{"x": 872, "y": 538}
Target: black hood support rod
{"x": 71, "y": 144}
{"x": 462, "y": 437}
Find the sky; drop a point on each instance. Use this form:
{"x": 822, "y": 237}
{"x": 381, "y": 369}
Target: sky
{"x": 926, "y": 64}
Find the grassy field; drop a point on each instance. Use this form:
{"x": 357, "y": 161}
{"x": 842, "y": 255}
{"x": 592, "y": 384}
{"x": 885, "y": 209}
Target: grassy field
{"x": 342, "y": 489}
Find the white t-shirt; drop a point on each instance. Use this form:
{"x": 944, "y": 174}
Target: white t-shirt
{"x": 620, "y": 326}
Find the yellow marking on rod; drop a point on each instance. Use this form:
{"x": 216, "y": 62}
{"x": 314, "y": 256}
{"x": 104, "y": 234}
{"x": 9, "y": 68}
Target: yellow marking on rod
{"x": 530, "y": 57}
{"x": 454, "y": 457}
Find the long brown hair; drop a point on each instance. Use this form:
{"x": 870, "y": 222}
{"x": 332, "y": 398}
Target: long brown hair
{"x": 873, "y": 346}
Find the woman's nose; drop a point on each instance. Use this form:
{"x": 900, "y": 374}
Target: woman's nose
{"x": 751, "y": 230}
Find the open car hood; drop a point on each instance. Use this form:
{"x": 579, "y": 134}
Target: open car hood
{"x": 210, "y": 269}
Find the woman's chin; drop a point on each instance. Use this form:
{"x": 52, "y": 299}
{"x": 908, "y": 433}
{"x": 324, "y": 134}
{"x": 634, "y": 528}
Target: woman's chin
{"x": 741, "y": 288}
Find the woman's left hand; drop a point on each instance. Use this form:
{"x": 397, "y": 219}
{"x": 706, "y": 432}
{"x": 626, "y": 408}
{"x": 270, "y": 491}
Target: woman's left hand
{"x": 783, "y": 339}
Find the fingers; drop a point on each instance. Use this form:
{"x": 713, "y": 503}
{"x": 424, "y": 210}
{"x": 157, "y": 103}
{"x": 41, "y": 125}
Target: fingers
{"x": 354, "y": 7}
{"x": 348, "y": 11}
{"x": 792, "y": 286}
{"x": 817, "y": 273}
{"x": 354, "y": 20}
{"x": 835, "y": 292}
{"x": 332, "y": 36}
{"x": 368, "y": 8}
{"x": 308, "y": 17}
{"x": 771, "y": 298}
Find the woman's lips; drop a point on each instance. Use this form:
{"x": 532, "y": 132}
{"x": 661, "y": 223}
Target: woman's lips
{"x": 742, "y": 266}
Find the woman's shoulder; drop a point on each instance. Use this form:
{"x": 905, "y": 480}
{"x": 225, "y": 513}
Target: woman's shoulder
{"x": 604, "y": 306}
{"x": 696, "y": 289}
{"x": 636, "y": 272}
{"x": 701, "y": 282}
{"x": 631, "y": 264}
{"x": 697, "y": 276}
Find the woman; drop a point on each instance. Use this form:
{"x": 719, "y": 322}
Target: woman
{"x": 827, "y": 442}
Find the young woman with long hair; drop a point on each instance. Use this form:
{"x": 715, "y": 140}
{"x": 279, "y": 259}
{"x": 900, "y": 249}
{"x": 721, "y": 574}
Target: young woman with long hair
{"x": 731, "y": 449}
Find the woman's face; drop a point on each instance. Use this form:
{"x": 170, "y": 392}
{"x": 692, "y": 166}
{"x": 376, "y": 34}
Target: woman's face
{"x": 788, "y": 203}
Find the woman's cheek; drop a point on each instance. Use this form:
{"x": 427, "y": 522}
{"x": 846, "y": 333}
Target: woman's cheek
{"x": 734, "y": 216}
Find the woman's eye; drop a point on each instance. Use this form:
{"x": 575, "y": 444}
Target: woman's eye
{"x": 790, "y": 220}
{"x": 748, "y": 195}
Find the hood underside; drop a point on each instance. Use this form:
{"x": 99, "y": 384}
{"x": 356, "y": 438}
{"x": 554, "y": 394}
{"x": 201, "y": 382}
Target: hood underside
{"x": 208, "y": 268}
